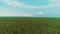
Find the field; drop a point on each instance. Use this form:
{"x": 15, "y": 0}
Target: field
{"x": 16, "y": 25}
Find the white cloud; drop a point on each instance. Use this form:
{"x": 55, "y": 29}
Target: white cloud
{"x": 40, "y": 12}
{"x": 56, "y": 1}
{"x": 17, "y": 4}
{"x": 53, "y": 13}
{"x": 52, "y": 0}
{"x": 24, "y": 5}
{"x": 14, "y": 14}
{"x": 9, "y": 12}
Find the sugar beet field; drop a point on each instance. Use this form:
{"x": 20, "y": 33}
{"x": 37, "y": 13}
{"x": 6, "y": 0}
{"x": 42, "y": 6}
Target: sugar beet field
{"x": 17, "y": 25}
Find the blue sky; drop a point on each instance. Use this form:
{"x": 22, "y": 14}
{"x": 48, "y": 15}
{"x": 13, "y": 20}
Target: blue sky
{"x": 30, "y": 8}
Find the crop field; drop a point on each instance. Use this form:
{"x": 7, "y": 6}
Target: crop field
{"x": 17, "y": 25}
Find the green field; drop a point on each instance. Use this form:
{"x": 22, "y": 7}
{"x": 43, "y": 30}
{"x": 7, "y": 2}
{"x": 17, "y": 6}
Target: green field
{"x": 16, "y": 25}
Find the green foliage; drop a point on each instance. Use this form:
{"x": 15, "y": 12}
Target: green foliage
{"x": 18, "y": 25}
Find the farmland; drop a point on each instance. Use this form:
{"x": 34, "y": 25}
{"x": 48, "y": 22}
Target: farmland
{"x": 17, "y": 25}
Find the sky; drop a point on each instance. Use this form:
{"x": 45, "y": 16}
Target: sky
{"x": 30, "y": 8}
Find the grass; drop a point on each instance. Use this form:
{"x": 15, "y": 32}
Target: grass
{"x": 16, "y": 25}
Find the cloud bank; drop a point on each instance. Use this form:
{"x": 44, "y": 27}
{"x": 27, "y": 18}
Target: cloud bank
{"x": 14, "y": 3}
{"x": 24, "y": 5}
{"x": 9, "y": 12}
{"x": 14, "y": 14}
